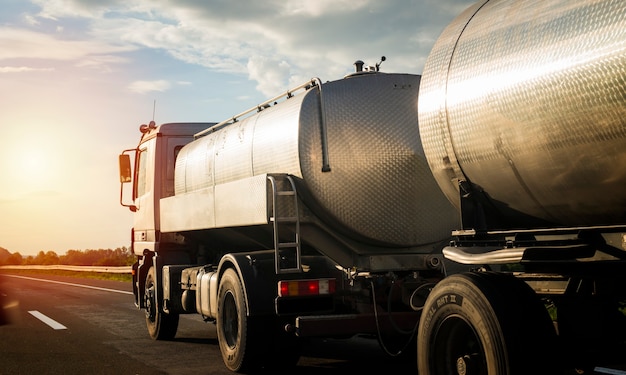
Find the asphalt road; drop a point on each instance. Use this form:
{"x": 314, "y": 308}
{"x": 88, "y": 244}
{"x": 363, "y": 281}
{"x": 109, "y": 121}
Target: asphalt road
{"x": 96, "y": 329}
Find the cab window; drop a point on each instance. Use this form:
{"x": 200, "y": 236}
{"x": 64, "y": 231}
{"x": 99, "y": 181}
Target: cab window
{"x": 141, "y": 173}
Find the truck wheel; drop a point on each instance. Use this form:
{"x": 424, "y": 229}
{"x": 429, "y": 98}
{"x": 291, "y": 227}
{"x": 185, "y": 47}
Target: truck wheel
{"x": 234, "y": 327}
{"x": 485, "y": 323}
{"x": 161, "y": 326}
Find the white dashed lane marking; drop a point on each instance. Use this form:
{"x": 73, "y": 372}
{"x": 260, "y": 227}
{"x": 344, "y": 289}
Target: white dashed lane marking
{"x": 49, "y": 321}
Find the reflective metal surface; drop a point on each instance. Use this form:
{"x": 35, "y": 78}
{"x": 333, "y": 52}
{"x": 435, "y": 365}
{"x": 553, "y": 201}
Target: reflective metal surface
{"x": 379, "y": 188}
{"x": 526, "y": 100}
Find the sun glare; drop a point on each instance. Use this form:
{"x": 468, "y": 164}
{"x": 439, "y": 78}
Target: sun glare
{"x": 33, "y": 165}
{"x": 34, "y": 159}
{"x": 33, "y": 170}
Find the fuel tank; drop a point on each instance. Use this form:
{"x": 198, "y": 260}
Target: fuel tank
{"x": 523, "y": 103}
{"x": 353, "y": 146}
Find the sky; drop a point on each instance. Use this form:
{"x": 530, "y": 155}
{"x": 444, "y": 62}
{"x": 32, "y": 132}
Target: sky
{"x": 78, "y": 77}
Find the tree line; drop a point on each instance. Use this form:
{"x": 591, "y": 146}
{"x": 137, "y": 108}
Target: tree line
{"x": 121, "y": 256}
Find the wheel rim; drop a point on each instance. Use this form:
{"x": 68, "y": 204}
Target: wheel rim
{"x": 457, "y": 349}
{"x": 231, "y": 320}
{"x": 150, "y": 304}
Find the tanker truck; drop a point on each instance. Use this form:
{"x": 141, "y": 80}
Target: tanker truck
{"x": 474, "y": 215}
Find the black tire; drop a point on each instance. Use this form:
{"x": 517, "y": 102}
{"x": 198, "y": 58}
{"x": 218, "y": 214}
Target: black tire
{"x": 161, "y": 326}
{"x": 234, "y": 327}
{"x": 485, "y": 323}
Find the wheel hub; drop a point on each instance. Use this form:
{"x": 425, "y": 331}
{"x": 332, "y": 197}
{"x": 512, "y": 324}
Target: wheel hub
{"x": 149, "y": 303}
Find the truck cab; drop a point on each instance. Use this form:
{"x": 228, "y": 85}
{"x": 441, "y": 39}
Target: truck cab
{"x": 157, "y": 152}
{"x": 148, "y": 179}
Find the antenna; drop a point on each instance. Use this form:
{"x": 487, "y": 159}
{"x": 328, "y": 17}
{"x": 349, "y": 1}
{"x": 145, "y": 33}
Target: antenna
{"x": 383, "y": 58}
{"x": 153, "y": 109}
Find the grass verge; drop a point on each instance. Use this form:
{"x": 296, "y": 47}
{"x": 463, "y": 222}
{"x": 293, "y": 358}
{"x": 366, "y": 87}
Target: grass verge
{"x": 89, "y": 275}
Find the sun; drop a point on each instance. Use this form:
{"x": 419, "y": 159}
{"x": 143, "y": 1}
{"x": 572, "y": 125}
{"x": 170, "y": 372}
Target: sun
{"x": 32, "y": 162}
{"x": 33, "y": 170}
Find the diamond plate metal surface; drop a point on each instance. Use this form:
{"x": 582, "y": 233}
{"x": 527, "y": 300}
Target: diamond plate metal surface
{"x": 527, "y": 101}
{"x": 380, "y": 186}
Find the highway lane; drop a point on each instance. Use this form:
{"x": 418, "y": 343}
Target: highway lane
{"x": 96, "y": 329}
{"x": 104, "y": 333}
{"x": 98, "y": 322}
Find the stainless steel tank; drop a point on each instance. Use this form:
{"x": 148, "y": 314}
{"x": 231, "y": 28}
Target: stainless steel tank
{"x": 378, "y": 187}
{"x": 526, "y": 102}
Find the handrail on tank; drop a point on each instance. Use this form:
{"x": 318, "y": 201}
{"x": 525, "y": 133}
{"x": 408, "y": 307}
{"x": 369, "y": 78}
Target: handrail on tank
{"x": 287, "y": 94}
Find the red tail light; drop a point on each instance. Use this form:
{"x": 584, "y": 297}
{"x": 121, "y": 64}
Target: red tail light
{"x": 306, "y": 287}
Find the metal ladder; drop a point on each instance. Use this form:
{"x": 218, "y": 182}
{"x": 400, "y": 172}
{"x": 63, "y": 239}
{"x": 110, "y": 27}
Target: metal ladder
{"x": 285, "y": 214}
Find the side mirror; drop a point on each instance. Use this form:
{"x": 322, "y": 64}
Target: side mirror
{"x": 126, "y": 175}
{"x": 125, "y": 171}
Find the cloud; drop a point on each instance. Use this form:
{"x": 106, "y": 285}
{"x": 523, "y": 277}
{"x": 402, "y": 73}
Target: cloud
{"x": 23, "y": 69}
{"x": 26, "y": 44}
{"x": 272, "y": 75}
{"x": 298, "y": 39}
{"x": 56, "y": 9}
{"x": 275, "y": 43}
{"x": 143, "y": 87}
{"x": 101, "y": 63}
